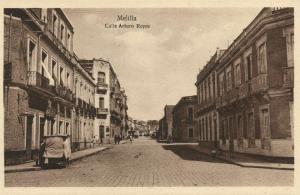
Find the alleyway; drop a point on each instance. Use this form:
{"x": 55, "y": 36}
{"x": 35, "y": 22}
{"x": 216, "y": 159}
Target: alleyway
{"x": 148, "y": 163}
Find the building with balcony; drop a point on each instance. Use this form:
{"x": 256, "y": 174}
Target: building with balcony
{"x": 184, "y": 121}
{"x": 254, "y": 95}
{"x": 110, "y": 100}
{"x": 39, "y": 73}
{"x": 205, "y": 112}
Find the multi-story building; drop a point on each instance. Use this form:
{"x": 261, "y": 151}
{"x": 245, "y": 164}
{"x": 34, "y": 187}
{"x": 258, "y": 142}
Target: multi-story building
{"x": 161, "y": 123}
{"x": 40, "y": 94}
{"x": 110, "y": 100}
{"x": 166, "y": 123}
{"x": 153, "y": 126}
{"x": 206, "y": 112}
{"x": 184, "y": 123}
{"x": 254, "y": 96}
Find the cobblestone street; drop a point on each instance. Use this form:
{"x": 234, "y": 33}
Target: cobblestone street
{"x": 148, "y": 163}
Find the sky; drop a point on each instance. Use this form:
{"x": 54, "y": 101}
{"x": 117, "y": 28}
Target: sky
{"x": 157, "y": 65}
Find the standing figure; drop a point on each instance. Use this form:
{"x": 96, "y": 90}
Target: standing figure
{"x": 116, "y": 138}
{"x": 41, "y": 153}
{"x": 131, "y": 138}
{"x": 119, "y": 139}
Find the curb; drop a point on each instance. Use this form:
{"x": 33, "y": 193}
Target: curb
{"x": 23, "y": 169}
{"x": 39, "y": 168}
{"x": 241, "y": 164}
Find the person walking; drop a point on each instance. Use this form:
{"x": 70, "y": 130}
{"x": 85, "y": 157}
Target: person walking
{"x": 116, "y": 138}
{"x": 119, "y": 139}
{"x": 41, "y": 154}
{"x": 131, "y": 138}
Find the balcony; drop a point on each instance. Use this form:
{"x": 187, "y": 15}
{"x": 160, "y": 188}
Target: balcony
{"x": 102, "y": 87}
{"x": 232, "y": 95}
{"x": 50, "y": 112}
{"x": 244, "y": 90}
{"x": 38, "y": 80}
{"x": 57, "y": 43}
{"x": 259, "y": 83}
{"x": 288, "y": 77}
{"x": 220, "y": 101}
{"x": 206, "y": 104}
{"x": 101, "y": 110}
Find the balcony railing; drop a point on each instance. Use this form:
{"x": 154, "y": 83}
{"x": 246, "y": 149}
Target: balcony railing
{"x": 244, "y": 90}
{"x": 232, "y": 95}
{"x": 102, "y": 87}
{"x": 57, "y": 42}
{"x": 38, "y": 80}
{"x": 288, "y": 77}
{"x": 259, "y": 83}
{"x": 102, "y": 110}
{"x": 220, "y": 101}
{"x": 51, "y": 112}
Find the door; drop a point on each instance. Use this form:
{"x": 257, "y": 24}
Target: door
{"x": 29, "y": 128}
{"x": 250, "y": 124}
{"x": 101, "y": 131}
{"x": 42, "y": 129}
{"x": 231, "y": 137}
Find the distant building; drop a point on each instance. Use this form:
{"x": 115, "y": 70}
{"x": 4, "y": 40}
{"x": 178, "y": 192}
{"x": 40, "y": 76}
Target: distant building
{"x": 153, "y": 126}
{"x": 184, "y": 123}
{"x": 110, "y": 100}
{"x": 166, "y": 123}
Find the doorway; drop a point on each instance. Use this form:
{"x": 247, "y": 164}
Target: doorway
{"x": 42, "y": 128}
{"x": 29, "y": 127}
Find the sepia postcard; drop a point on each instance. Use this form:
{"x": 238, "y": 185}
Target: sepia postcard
{"x": 138, "y": 97}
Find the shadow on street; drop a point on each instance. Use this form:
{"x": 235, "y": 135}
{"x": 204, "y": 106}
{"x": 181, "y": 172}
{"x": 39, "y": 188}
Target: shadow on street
{"x": 189, "y": 154}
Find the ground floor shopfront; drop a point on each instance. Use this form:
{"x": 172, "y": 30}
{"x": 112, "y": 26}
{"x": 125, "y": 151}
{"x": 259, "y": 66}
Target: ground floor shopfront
{"x": 260, "y": 125}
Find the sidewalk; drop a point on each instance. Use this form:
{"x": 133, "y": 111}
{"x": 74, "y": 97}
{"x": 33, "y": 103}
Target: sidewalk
{"x": 245, "y": 161}
{"x": 30, "y": 166}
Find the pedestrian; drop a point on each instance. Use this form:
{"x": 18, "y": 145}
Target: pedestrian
{"x": 67, "y": 149}
{"x": 116, "y": 138}
{"x": 131, "y": 138}
{"x": 41, "y": 153}
{"x": 101, "y": 140}
{"x": 93, "y": 141}
{"x": 119, "y": 139}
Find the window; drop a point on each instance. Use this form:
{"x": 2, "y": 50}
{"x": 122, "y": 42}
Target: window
{"x": 221, "y": 84}
{"x": 68, "y": 40}
{"x": 54, "y": 69}
{"x": 264, "y": 122}
{"x": 228, "y": 79}
{"x": 32, "y": 55}
{"x": 101, "y": 102}
{"x": 62, "y": 33}
{"x": 190, "y": 114}
{"x": 262, "y": 59}
{"x": 44, "y": 15}
{"x": 238, "y": 74}
{"x": 67, "y": 128}
{"x": 191, "y": 132}
{"x": 44, "y": 61}
{"x": 68, "y": 80}
{"x": 61, "y": 73}
{"x": 250, "y": 124}
{"x": 55, "y": 24}
{"x": 101, "y": 77}
{"x": 248, "y": 67}
{"x": 200, "y": 129}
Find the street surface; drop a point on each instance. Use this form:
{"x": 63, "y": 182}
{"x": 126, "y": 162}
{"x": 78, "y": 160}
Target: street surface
{"x": 148, "y": 163}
